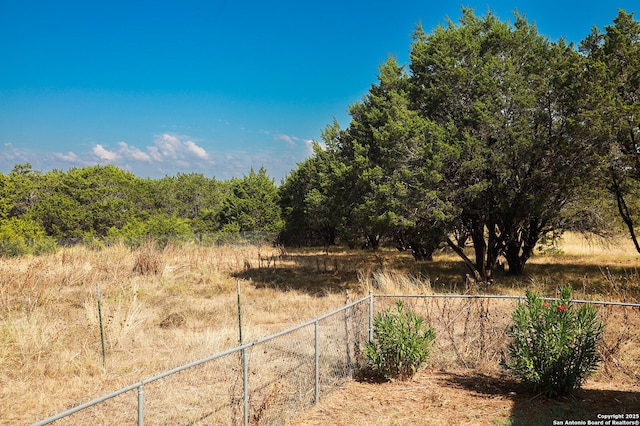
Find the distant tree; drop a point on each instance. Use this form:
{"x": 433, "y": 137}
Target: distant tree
{"x": 85, "y": 202}
{"x": 21, "y": 236}
{"x": 307, "y": 197}
{"x": 159, "y": 228}
{"x": 5, "y": 202}
{"x": 20, "y": 191}
{"x": 251, "y": 205}
{"x": 59, "y": 210}
{"x": 162, "y": 229}
{"x": 192, "y": 196}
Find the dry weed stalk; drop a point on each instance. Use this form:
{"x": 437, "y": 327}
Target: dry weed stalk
{"x": 49, "y": 331}
{"x": 148, "y": 260}
{"x": 387, "y": 282}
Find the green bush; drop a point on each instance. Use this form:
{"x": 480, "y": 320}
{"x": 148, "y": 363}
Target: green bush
{"x": 162, "y": 229}
{"x": 553, "y": 344}
{"x": 401, "y": 344}
{"x": 19, "y": 237}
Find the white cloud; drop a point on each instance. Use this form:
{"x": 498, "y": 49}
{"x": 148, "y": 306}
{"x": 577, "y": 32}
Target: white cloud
{"x": 154, "y": 153}
{"x": 196, "y": 150}
{"x": 71, "y": 157}
{"x": 168, "y": 153}
{"x": 172, "y": 147}
{"x": 104, "y": 154}
{"x": 11, "y": 153}
{"x": 289, "y": 140}
{"x": 133, "y": 153}
{"x": 166, "y": 147}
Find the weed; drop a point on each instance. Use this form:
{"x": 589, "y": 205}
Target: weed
{"x": 401, "y": 344}
{"x": 148, "y": 261}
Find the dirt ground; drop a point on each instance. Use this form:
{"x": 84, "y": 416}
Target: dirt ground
{"x": 464, "y": 397}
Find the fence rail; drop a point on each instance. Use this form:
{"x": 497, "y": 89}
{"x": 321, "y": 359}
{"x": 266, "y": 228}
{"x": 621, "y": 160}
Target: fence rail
{"x": 498, "y": 296}
{"x": 271, "y": 379}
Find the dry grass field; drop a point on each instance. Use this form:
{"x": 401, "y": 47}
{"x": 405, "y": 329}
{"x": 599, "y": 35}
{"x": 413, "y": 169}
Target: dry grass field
{"x": 162, "y": 309}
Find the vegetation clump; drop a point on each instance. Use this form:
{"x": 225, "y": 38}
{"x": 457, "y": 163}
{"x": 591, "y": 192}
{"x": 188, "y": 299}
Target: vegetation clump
{"x": 554, "y": 344}
{"x": 402, "y": 343}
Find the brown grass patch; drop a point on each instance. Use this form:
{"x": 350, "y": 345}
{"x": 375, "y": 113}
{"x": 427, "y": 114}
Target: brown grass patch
{"x": 50, "y": 348}
{"x": 463, "y": 397}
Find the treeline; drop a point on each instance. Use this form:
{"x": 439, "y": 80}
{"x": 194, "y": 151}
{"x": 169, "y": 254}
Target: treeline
{"x": 492, "y": 135}
{"x": 39, "y": 211}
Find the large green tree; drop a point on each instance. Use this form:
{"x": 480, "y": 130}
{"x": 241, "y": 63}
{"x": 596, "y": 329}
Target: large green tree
{"x": 488, "y": 135}
{"x": 613, "y": 70}
{"x": 391, "y": 155}
{"x": 509, "y": 100}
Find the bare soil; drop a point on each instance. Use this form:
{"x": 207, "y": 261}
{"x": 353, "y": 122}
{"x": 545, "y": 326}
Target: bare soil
{"x": 464, "y": 397}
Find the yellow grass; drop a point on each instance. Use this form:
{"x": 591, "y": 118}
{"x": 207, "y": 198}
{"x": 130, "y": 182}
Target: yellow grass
{"x": 185, "y": 308}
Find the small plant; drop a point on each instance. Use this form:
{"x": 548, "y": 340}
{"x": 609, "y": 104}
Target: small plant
{"x": 554, "y": 344}
{"x": 148, "y": 261}
{"x": 401, "y": 344}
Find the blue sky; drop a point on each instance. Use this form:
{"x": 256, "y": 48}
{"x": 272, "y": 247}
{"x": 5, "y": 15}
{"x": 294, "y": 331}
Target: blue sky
{"x": 161, "y": 87}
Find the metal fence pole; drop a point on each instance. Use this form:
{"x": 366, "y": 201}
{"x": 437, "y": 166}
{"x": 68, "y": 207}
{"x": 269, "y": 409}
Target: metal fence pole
{"x": 370, "y": 315}
{"x": 141, "y": 404}
{"x": 317, "y": 362}
{"x": 347, "y": 339}
{"x": 245, "y": 386}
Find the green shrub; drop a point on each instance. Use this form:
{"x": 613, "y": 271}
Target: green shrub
{"x": 401, "y": 344}
{"x": 20, "y": 236}
{"x": 553, "y": 344}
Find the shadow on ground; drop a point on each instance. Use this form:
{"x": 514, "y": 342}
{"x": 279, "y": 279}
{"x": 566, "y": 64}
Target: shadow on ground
{"x": 534, "y": 409}
{"x": 319, "y": 273}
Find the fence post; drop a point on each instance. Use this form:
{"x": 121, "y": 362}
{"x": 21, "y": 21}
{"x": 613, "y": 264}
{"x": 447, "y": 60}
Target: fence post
{"x": 104, "y": 356}
{"x": 245, "y": 368}
{"x": 245, "y": 386}
{"x": 370, "y": 315}
{"x": 141, "y": 404}
{"x": 347, "y": 339}
{"x": 317, "y": 362}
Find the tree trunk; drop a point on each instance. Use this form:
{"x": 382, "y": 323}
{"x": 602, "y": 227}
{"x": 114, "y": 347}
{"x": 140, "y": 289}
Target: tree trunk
{"x": 623, "y": 209}
{"x": 518, "y": 252}
{"x": 480, "y": 248}
{"x": 495, "y": 247}
{"x": 468, "y": 263}
{"x": 512, "y": 254}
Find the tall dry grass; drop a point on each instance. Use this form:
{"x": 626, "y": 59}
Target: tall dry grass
{"x": 160, "y": 309}
{"x": 164, "y": 308}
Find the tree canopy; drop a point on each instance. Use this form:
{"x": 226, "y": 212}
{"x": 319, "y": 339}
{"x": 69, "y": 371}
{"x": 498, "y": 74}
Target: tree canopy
{"x": 491, "y": 133}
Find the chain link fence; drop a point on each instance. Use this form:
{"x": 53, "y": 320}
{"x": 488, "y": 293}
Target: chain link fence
{"x": 471, "y": 331}
{"x": 268, "y": 382}
{"x": 265, "y": 382}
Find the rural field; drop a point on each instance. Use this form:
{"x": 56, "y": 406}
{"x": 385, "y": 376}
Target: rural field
{"x": 165, "y": 308}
